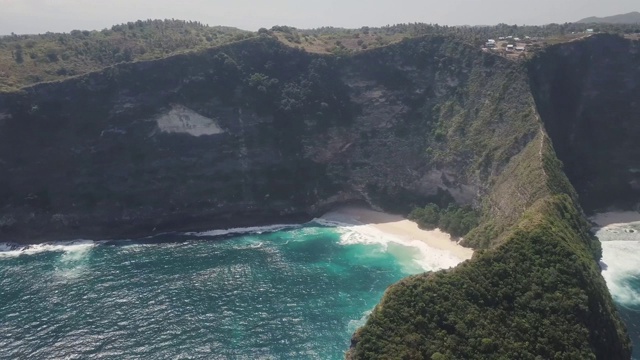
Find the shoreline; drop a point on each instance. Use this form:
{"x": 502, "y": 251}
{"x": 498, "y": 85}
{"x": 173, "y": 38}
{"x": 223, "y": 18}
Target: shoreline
{"x": 394, "y": 226}
{"x": 146, "y": 231}
{"x": 399, "y": 227}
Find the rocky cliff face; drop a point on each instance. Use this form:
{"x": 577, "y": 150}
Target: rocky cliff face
{"x": 255, "y": 132}
{"x": 259, "y": 132}
{"x": 588, "y": 95}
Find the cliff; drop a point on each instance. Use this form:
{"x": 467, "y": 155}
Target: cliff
{"x": 256, "y": 131}
{"x": 537, "y": 293}
{"x": 587, "y": 95}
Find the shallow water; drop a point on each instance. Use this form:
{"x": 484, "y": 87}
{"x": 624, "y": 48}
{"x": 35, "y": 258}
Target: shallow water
{"x": 621, "y": 270}
{"x": 298, "y": 292}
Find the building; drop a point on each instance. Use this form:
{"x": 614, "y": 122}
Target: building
{"x": 509, "y": 47}
{"x": 520, "y": 48}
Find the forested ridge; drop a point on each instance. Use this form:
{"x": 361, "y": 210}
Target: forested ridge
{"x": 30, "y": 59}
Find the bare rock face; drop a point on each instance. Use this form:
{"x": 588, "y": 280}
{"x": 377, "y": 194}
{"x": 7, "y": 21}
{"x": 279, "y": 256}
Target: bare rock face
{"x": 587, "y": 94}
{"x": 184, "y": 120}
{"x": 256, "y": 132}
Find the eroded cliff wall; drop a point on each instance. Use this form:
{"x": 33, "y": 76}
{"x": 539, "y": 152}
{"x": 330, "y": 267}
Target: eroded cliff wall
{"x": 588, "y": 95}
{"x": 256, "y": 132}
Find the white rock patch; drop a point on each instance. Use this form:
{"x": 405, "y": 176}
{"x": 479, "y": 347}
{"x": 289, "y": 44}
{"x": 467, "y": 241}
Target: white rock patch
{"x": 181, "y": 119}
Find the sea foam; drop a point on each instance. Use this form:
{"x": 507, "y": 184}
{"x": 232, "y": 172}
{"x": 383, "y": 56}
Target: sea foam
{"x": 245, "y": 230}
{"x": 620, "y": 254}
{"x": 429, "y": 259}
{"x": 13, "y": 250}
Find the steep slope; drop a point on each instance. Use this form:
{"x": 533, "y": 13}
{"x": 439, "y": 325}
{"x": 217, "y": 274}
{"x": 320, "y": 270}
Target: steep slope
{"x": 628, "y": 18}
{"x": 587, "y": 95}
{"x": 537, "y": 293}
{"x": 253, "y": 131}
{"x": 540, "y": 295}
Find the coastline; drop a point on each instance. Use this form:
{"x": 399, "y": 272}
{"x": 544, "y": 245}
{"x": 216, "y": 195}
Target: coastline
{"x": 145, "y": 229}
{"x": 391, "y": 226}
{"x": 399, "y": 227}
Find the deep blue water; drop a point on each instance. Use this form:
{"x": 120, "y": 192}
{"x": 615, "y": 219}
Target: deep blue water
{"x": 298, "y": 293}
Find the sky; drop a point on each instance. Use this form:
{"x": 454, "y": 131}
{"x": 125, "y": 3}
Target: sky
{"x": 39, "y": 16}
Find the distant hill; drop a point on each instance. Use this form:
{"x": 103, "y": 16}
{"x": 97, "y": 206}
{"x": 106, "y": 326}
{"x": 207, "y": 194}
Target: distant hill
{"x": 629, "y": 18}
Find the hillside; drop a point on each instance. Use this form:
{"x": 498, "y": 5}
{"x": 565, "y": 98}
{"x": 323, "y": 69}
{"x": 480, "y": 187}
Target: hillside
{"x": 629, "y": 18}
{"x": 29, "y": 59}
{"x": 257, "y": 131}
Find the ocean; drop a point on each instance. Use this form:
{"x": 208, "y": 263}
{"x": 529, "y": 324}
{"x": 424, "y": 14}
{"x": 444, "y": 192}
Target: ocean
{"x": 621, "y": 270}
{"x": 279, "y": 292}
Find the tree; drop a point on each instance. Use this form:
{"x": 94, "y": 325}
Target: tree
{"x": 18, "y": 55}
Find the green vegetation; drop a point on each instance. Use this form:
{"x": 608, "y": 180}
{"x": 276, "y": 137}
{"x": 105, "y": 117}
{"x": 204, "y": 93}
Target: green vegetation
{"x": 341, "y": 41}
{"x": 538, "y": 296}
{"x": 455, "y": 220}
{"x": 29, "y": 59}
{"x": 536, "y": 292}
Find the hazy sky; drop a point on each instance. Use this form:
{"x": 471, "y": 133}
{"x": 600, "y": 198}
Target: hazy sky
{"x": 38, "y": 16}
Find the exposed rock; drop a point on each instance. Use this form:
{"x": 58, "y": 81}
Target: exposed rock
{"x": 184, "y": 120}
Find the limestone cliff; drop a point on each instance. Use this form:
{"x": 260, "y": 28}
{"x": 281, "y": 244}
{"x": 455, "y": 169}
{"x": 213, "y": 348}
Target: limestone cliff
{"x": 256, "y": 131}
{"x": 588, "y": 94}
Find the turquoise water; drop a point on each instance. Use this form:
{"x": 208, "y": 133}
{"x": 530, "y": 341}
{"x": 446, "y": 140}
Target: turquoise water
{"x": 621, "y": 264}
{"x": 297, "y": 293}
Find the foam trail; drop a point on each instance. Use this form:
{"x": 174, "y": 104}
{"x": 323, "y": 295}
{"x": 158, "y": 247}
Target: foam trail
{"x": 82, "y": 246}
{"x": 246, "y": 230}
{"x": 356, "y": 324}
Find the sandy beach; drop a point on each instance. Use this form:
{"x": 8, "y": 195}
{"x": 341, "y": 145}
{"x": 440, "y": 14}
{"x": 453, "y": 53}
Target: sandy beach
{"x": 615, "y": 218}
{"x": 398, "y": 226}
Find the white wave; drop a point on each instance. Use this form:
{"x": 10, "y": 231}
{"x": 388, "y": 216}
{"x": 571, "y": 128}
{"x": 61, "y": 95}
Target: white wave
{"x": 355, "y": 324}
{"x": 246, "y": 230}
{"x": 428, "y": 259}
{"x": 334, "y": 223}
{"x": 67, "y": 247}
{"x": 251, "y": 246}
{"x": 620, "y": 254}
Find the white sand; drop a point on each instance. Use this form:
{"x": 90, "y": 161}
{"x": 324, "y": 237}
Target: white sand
{"x": 398, "y": 226}
{"x": 615, "y": 218}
